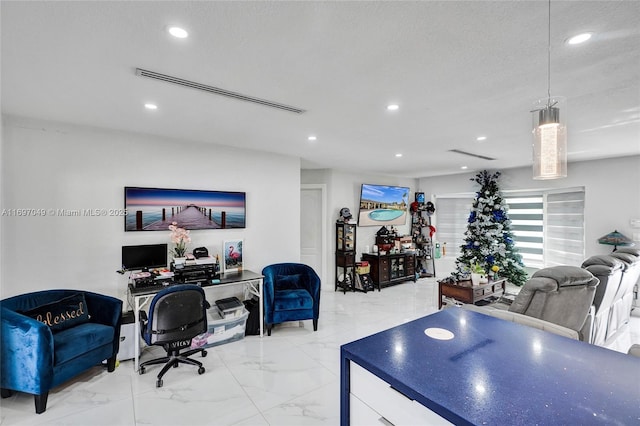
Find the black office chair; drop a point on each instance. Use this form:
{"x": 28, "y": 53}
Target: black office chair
{"x": 176, "y": 315}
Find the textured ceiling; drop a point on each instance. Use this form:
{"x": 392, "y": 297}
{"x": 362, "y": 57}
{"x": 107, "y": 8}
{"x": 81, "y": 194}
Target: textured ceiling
{"x": 457, "y": 69}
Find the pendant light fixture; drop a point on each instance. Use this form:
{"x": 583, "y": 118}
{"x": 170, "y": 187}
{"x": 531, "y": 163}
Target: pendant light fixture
{"x": 549, "y": 129}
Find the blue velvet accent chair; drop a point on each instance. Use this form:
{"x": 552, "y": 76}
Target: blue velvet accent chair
{"x": 51, "y": 336}
{"x": 177, "y": 314}
{"x": 291, "y": 293}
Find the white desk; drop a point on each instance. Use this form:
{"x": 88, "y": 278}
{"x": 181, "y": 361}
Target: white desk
{"x": 139, "y": 297}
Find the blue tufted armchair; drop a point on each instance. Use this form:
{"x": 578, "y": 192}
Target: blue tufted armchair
{"x": 50, "y": 336}
{"x": 291, "y": 293}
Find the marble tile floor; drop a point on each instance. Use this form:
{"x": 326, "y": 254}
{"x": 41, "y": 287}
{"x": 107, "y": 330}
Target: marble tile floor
{"x": 289, "y": 378}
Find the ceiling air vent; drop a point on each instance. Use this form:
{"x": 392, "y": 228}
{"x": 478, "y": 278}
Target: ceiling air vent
{"x": 186, "y": 83}
{"x": 457, "y": 151}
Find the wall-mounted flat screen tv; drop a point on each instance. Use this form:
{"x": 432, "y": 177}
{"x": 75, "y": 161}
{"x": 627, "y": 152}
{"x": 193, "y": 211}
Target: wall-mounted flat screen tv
{"x": 154, "y": 209}
{"x": 383, "y": 205}
{"x": 144, "y": 257}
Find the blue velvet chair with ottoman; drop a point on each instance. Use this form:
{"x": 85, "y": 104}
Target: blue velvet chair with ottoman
{"x": 51, "y": 336}
{"x": 291, "y": 293}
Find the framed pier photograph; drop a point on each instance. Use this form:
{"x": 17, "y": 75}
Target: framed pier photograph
{"x": 154, "y": 209}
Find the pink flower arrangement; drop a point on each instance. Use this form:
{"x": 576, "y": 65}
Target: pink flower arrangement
{"x": 180, "y": 237}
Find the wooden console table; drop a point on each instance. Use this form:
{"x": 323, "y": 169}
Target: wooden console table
{"x": 466, "y": 292}
{"x": 388, "y": 269}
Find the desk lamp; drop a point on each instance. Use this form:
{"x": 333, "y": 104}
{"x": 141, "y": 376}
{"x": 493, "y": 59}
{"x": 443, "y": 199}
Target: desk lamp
{"x": 615, "y": 239}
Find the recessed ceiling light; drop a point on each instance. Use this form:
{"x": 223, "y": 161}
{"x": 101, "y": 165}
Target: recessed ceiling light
{"x": 481, "y": 138}
{"x": 312, "y": 138}
{"x": 464, "y": 167}
{"x": 580, "y": 38}
{"x": 178, "y": 32}
{"x": 393, "y": 107}
{"x": 398, "y": 155}
{"x": 150, "y": 106}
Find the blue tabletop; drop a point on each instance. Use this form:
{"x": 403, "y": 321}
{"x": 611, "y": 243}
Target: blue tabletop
{"x": 496, "y": 372}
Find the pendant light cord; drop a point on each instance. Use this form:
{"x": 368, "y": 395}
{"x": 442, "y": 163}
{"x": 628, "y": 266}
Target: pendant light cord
{"x": 549, "y": 57}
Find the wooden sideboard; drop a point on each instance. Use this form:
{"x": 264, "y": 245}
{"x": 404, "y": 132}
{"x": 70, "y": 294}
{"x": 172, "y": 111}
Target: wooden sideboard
{"x": 389, "y": 269}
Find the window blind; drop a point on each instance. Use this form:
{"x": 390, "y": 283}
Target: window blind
{"x": 526, "y": 212}
{"x": 451, "y": 217}
{"x": 564, "y": 228}
{"x": 547, "y": 225}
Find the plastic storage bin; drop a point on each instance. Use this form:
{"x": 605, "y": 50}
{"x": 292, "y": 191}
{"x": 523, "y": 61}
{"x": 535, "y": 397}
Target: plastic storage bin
{"x": 221, "y": 330}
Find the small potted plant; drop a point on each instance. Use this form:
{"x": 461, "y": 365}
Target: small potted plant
{"x": 478, "y": 274}
{"x": 180, "y": 237}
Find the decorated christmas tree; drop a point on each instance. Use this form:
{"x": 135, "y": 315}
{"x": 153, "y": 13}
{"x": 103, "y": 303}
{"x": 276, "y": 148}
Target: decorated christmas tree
{"x": 488, "y": 240}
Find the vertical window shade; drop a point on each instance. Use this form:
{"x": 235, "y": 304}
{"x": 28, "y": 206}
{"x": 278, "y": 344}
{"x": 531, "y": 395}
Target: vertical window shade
{"x": 564, "y": 228}
{"x": 547, "y": 226}
{"x": 527, "y": 225}
{"x": 451, "y": 215}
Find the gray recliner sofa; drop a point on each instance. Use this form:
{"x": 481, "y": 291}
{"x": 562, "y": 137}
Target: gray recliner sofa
{"x": 523, "y": 320}
{"x": 562, "y": 295}
{"x": 623, "y": 302}
{"x": 557, "y": 299}
{"x": 608, "y": 270}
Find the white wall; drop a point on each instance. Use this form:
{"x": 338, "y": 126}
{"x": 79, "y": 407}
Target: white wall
{"x": 612, "y": 194}
{"x": 1, "y": 193}
{"x": 52, "y": 165}
{"x": 57, "y": 166}
{"x": 343, "y": 190}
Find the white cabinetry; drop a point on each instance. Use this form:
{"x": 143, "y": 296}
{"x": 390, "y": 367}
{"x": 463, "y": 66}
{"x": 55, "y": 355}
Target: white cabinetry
{"x": 374, "y": 402}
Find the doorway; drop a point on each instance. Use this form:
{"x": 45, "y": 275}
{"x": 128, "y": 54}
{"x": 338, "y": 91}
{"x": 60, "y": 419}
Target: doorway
{"x": 313, "y": 230}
